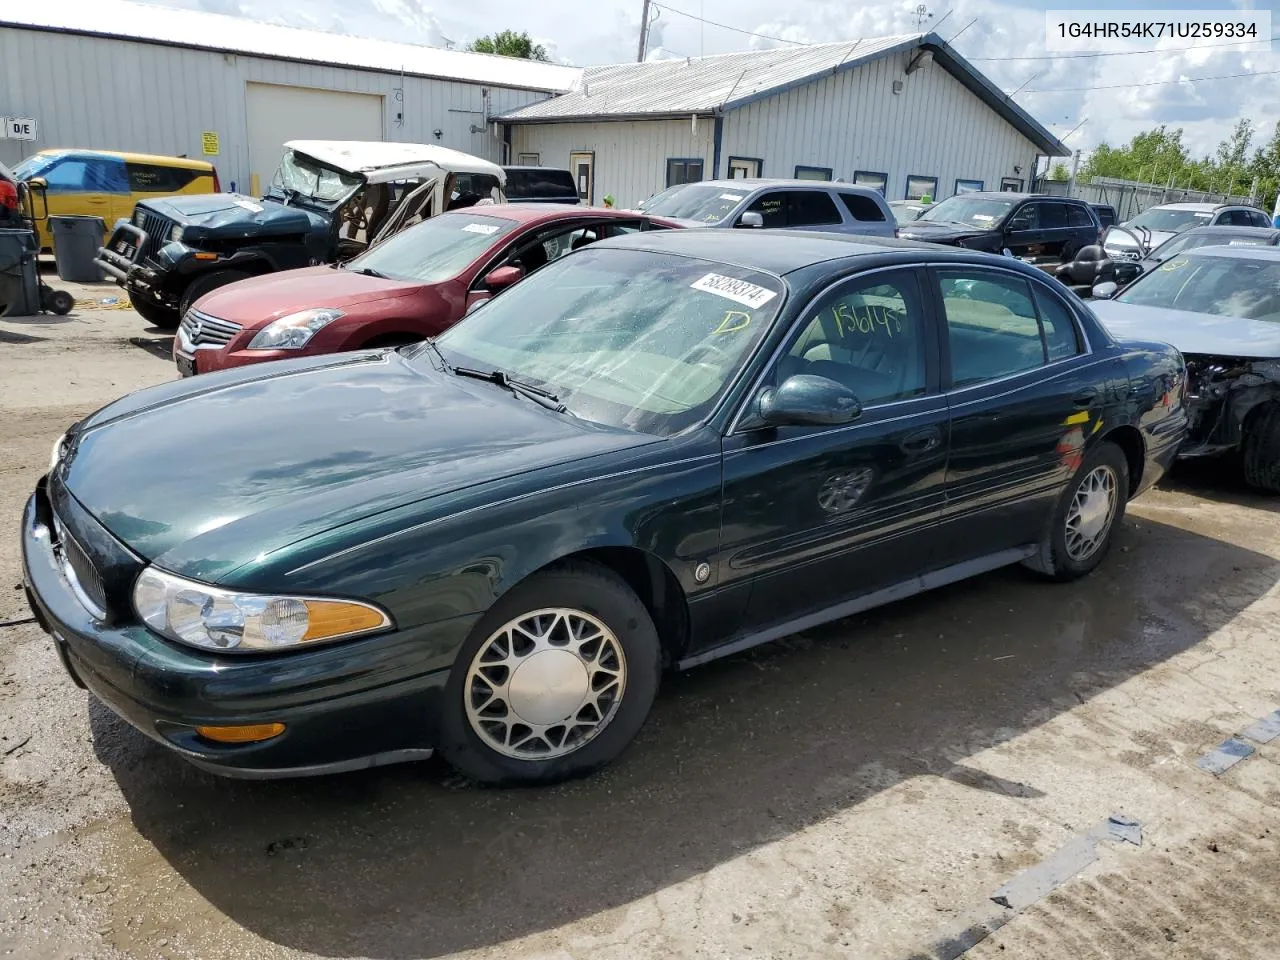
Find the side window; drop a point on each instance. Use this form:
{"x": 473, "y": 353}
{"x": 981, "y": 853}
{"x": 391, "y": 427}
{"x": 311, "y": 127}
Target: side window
{"x": 1052, "y": 215}
{"x": 66, "y": 176}
{"x": 867, "y": 334}
{"x": 1078, "y": 216}
{"x": 1260, "y": 219}
{"x": 1026, "y": 217}
{"x": 991, "y": 326}
{"x": 1060, "y": 337}
{"x": 772, "y": 207}
{"x": 150, "y": 178}
{"x": 862, "y": 208}
{"x": 533, "y": 251}
{"x": 811, "y": 208}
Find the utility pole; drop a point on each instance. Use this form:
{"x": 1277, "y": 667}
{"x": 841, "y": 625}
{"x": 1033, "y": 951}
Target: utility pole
{"x": 644, "y": 32}
{"x": 1075, "y": 165}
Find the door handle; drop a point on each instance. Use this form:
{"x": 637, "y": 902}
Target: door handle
{"x": 921, "y": 440}
{"x": 1085, "y": 397}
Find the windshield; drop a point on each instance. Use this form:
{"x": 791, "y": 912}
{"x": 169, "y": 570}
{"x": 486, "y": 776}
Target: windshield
{"x": 975, "y": 211}
{"x": 705, "y": 202}
{"x": 433, "y": 250}
{"x": 1190, "y": 241}
{"x": 904, "y": 211}
{"x": 299, "y": 174}
{"x": 626, "y": 338}
{"x": 34, "y": 166}
{"x": 1165, "y": 220}
{"x": 1223, "y": 286}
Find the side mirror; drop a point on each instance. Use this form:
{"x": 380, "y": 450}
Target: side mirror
{"x": 503, "y": 277}
{"x": 752, "y": 219}
{"x": 1105, "y": 291}
{"x": 806, "y": 400}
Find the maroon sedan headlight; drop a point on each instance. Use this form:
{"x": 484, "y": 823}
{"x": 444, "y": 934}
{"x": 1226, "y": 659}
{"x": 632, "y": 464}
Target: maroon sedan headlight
{"x": 295, "y": 330}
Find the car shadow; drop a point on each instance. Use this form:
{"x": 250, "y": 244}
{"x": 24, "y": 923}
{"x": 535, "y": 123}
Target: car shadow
{"x": 1220, "y": 479}
{"x": 415, "y": 862}
{"x": 161, "y": 347}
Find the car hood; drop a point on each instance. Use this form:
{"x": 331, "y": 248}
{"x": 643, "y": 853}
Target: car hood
{"x": 1196, "y": 333}
{"x": 259, "y": 300}
{"x": 202, "y": 476}
{"x": 939, "y": 230}
{"x": 230, "y": 215}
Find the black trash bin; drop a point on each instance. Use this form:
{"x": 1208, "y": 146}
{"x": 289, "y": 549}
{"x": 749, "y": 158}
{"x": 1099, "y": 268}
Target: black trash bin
{"x": 75, "y": 247}
{"x": 19, "y": 277}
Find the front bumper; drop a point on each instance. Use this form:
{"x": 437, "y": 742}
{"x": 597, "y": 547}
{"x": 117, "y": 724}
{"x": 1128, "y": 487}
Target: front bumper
{"x": 347, "y": 706}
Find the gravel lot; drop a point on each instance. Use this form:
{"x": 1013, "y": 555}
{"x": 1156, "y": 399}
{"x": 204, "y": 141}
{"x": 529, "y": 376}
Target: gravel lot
{"x": 857, "y": 791}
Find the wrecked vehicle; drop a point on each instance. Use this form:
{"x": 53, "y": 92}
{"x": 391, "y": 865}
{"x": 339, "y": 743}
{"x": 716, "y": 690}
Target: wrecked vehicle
{"x": 329, "y": 201}
{"x": 1220, "y": 306}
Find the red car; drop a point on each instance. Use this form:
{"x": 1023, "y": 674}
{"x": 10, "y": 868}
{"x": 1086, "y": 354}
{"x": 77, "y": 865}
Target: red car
{"x": 412, "y": 285}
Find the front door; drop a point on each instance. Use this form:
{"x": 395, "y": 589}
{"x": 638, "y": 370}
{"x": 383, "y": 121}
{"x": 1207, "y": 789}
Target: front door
{"x": 814, "y": 515}
{"x": 583, "y": 165}
{"x": 1022, "y": 396}
{"x": 742, "y": 168}
{"x": 85, "y": 185}
{"x": 1022, "y": 230}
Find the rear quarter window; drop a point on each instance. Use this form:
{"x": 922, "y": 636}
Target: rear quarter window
{"x": 862, "y": 207}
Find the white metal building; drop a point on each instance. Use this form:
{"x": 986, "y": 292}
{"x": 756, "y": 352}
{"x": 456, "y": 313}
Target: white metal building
{"x": 114, "y": 75}
{"x": 904, "y": 114}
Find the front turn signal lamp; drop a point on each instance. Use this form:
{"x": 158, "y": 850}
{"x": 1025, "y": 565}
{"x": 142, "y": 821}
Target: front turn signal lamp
{"x": 212, "y": 618}
{"x": 244, "y": 733}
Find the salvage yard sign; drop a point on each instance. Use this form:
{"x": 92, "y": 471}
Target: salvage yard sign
{"x": 18, "y": 128}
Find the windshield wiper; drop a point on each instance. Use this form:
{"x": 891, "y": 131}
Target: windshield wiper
{"x": 369, "y": 272}
{"x": 543, "y": 398}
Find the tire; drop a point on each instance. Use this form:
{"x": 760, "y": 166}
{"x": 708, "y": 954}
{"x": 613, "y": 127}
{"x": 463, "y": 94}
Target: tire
{"x": 207, "y": 284}
{"x": 61, "y": 302}
{"x": 156, "y": 314}
{"x": 1060, "y": 560}
{"x": 1261, "y": 448}
{"x": 507, "y": 751}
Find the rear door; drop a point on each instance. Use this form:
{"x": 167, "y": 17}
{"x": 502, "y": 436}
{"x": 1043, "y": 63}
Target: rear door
{"x": 813, "y": 515}
{"x": 1022, "y": 391}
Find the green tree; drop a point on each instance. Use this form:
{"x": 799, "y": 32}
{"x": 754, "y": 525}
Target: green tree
{"x": 508, "y": 43}
{"x": 1059, "y": 172}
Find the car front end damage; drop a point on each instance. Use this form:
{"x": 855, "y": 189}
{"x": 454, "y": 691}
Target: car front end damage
{"x": 1222, "y": 392}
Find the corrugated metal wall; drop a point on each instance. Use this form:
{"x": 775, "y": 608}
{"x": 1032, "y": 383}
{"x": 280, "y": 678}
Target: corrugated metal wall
{"x": 854, "y": 121}
{"x": 107, "y": 94}
{"x": 631, "y": 156}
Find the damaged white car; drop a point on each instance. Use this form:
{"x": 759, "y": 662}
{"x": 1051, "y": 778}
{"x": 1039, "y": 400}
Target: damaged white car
{"x": 1219, "y": 306}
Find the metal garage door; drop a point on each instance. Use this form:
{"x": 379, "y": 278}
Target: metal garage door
{"x": 278, "y": 114}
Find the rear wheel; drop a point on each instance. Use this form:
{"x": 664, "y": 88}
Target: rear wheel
{"x": 1261, "y": 448}
{"x": 207, "y": 284}
{"x": 1086, "y": 517}
{"x": 554, "y": 681}
{"x": 156, "y": 314}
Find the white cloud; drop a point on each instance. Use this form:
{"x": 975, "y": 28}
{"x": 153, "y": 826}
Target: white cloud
{"x": 1002, "y": 28}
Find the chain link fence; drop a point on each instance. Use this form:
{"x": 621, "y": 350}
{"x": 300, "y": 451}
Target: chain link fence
{"x": 1131, "y": 197}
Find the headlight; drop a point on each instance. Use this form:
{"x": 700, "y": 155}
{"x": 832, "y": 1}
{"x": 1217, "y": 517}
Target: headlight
{"x": 294, "y": 330}
{"x": 56, "y": 456}
{"x": 214, "y": 619}
{"x": 175, "y": 235}
{"x": 139, "y": 218}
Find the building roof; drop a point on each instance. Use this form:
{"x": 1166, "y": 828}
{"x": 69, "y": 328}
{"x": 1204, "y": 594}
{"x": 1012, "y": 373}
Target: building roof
{"x": 195, "y": 29}
{"x": 366, "y": 157}
{"x": 717, "y": 84}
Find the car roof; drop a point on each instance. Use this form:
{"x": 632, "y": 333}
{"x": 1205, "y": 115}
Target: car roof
{"x": 536, "y": 212}
{"x": 782, "y": 251}
{"x": 509, "y": 167}
{"x": 1248, "y": 252}
{"x": 739, "y": 183}
{"x": 1186, "y": 205}
{"x": 183, "y": 163}
{"x": 364, "y": 157}
{"x": 1226, "y": 230}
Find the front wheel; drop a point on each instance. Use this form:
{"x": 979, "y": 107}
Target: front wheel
{"x": 1261, "y": 448}
{"x": 1086, "y": 516}
{"x": 156, "y": 314}
{"x": 554, "y": 682}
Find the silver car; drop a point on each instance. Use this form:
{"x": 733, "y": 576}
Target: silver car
{"x": 796, "y": 204}
{"x": 1155, "y": 225}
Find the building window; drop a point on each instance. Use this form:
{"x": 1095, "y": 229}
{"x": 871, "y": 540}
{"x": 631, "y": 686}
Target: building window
{"x": 869, "y": 178}
{"x": 969, "y": 186}
{"x": 1011, "y": 185}
{"x": 742, "y": 168}
{"x": 683, "y": 170}
{"x": 920, "y": 187}
{"x": 529, "y": 160}
{"x": 812, "y": 173}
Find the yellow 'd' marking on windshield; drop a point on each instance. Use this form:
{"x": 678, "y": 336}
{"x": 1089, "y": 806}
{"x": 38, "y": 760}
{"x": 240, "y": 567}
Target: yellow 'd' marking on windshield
{"x": 734, "y": 320}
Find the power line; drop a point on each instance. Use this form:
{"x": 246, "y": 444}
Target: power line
{"x": 1118, "y": 53}
{"x": 1156, "y": 83}
{"x": 725, "y": 26}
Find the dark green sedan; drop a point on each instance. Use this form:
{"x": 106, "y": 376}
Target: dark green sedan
{"x": 659, "y": 450}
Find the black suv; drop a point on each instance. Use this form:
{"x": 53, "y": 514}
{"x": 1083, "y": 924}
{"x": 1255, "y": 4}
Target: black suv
{"x": 540, "y": 185}
{"x": 329, "y": 201}
{"x": 1027, "y": 225}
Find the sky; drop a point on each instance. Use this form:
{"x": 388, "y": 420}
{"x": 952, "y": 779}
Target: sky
{"x": 1006, "y": 40}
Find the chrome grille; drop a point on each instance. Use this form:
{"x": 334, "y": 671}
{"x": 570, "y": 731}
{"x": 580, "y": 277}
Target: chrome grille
{"x": 202, "y": 330}
{"x": 80, "y": 573}
{"x": 157, "y": 229}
